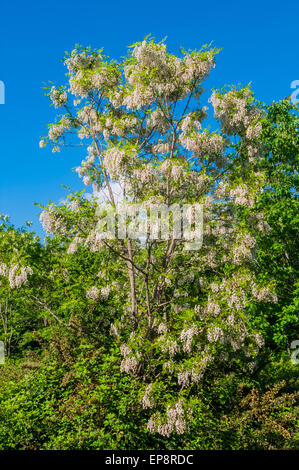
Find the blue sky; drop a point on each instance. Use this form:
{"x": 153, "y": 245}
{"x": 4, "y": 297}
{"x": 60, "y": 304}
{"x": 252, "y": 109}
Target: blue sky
{"x": 259, "y": 40}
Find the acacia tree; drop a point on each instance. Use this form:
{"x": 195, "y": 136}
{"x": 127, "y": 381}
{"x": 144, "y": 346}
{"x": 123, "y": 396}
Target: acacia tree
{"x": 183, "y": 313}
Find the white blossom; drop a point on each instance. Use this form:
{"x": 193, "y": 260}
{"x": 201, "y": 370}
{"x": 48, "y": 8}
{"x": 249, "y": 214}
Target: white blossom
{"x": 92, "y": 293}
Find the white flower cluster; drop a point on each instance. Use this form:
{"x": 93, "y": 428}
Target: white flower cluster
{"x": 101, "y": 78}
{"x": 210, "y": 258}
{"x": 192, "y": 122}
{"x": 169, "y": 75}
{"x": 125, "y": 351}
{"x": 88, "y": 115}
{"x": 17, "y": 275}
{"x": 215, "y": 334}
{"x": 150, "y": 55}
{"x": 56, "y": 130}
{"x": 105, "y": 291}
{"x": 175, "y": 421}
{"x": 144, "y": 174}
{"x": 129, "y": 363}
{"x": 88, "y": 73}
{"x": 242, "y": 250}
{"x": 84, "y": 133}
{"x": 73, "y": 246}
{"x": 199, "y": 369}
{"x": 116, "y": 126}
{"x": 184, "y": 378}
{"x": 197, "y": 68}
{"x": 214, "y": 287}
{"x": 87, "y": 180}
{"x": 138, "y": 97}
{"x": 169, "y": 346}
{"x": 188, "y": 124}
{"x": 114, "y": 331}
{"x": 82, "y": 60}
{"x": 197, "y": 309}
{"x": 233, "y": 292}
{"x": 3, "y": 269}
{"x": 259, "y": 340}
{"x": 168, "y": 367}
{"x": 254, "y": 131}
{"x": 147, "y": 400}
{"x": 187, "y": 336}
{"x": 264, "y": 294}
{"x": 157, "y": 120}
{"x": 166, "y": 75}
{"x": 86, "y": 166}
{"x": 52, "y": 222}
{"x": 233, "y": 111}
{"x": 172, "y": 170}
{"x": 212, "y": 308}
{"x": 162, "y": 328}
{"x": 253, "y": 151}
{"x": 203, "y": 144}
{"x": 92, "y": 293}
{"x": 114, "y": 159}
{"x": 237, "y": 300}
{"x": 58, "y": 97}
{"x": 262, "y": 224}
{"x": 77, "y": 85}
{"x": 241, "y": 197}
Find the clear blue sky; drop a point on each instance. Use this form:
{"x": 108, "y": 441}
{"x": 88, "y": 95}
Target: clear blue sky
{"x": 259, "y": 40}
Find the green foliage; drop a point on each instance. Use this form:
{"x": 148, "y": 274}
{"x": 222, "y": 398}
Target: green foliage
{"x": 100, "y": 337}
{"x": 84, "y": 402}
{"x": 278, "y": 253}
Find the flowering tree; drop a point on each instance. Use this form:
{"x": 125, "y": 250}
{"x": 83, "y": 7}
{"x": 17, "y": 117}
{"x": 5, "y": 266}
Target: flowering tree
{"x": 182, "y": 313}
